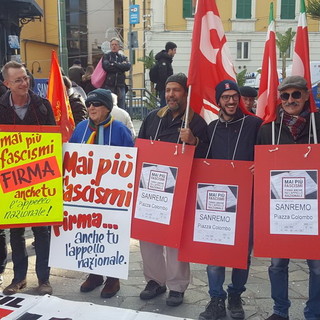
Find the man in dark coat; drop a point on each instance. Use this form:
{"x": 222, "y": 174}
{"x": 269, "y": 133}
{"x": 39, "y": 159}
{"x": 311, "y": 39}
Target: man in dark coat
{"x": 164, "y": 60}
{"x": 116, "y": 64}
{"x": 160, "y": 264}
{"x": 292, "y": 126}
{"x": 21, "y": 106}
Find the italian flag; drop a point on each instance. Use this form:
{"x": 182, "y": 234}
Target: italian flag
{"x": 269, "y": 81}
{"x": 301, "y": 58}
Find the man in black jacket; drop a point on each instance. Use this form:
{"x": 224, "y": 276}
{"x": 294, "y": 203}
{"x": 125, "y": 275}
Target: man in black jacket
{"x": 164, "y": 61}
{"x": 292, "y": 125}
{"x": 21, "y": 106}
{"x": 232, "y": 137}
{"x": 166, "y": 125}
{"x": 116, "y": 64}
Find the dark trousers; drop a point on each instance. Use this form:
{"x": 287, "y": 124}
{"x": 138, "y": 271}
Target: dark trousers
{"x": 20, "y": 256}
{"x": 3, "y": 250}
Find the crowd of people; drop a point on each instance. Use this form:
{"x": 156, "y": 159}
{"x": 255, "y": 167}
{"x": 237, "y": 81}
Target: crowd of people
{"x": 232, "y": 136}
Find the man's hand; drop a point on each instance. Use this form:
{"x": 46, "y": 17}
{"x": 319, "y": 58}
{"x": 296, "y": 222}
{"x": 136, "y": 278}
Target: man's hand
{"x": 187, "y": 136}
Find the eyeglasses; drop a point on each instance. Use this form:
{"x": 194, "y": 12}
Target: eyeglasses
{"x": 227, "y": 97}
{"x": 93, "y": 103}
{"x": 295, "y": 95}
{"x": 21, "y": 80}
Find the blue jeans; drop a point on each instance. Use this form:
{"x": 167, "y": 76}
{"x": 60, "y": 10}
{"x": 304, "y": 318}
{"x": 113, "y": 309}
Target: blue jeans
{"x": 279, "y": 279}
{"x": 20, "y": 256}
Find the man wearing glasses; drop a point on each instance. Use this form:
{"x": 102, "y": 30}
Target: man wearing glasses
{"x": 231, "y": 137}
{"x": 20, "y": 106}
{"x": 292, "y": 126}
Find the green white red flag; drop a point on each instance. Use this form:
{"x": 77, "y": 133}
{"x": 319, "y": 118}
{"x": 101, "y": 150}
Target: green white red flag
{"x": 301, "y": 57}
{"x": 269, "y": 81}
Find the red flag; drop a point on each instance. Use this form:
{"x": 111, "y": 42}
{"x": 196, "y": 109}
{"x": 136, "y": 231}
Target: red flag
{"x": 58, "y": 98}
{"x": 210, "y": 60}
{"x": 301, "y": 58}
{"x": 269, "y": 81}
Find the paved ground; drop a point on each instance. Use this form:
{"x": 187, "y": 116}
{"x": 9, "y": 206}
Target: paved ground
{"x": 258, "y": 303}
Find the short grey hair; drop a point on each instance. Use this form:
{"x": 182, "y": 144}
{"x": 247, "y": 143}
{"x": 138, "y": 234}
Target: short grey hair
{"x": 13, "y": 65}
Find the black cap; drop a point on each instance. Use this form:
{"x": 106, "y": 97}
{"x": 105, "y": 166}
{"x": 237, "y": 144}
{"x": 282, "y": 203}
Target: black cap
{"x": 180, "y": 78}
{"x": 101, "y": 95}
{"x": 247, "y": 91}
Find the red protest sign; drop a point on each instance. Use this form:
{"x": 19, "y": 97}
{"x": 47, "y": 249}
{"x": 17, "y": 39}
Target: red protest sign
{"x": 286, "y": 201}
{"x": 217, "y": 221}
{"x": 162, "y": 177}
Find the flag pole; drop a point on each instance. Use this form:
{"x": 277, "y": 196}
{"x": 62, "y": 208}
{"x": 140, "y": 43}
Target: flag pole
{"x": 186, "y": 124}
{"x": 314, "y": 128}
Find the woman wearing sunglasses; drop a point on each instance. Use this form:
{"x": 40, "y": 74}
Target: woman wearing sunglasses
{"x": 102, "y": 129}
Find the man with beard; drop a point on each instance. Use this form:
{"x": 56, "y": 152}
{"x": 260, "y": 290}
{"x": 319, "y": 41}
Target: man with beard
{"x": 292, "y": 126}
{"x": 232, "y": 137}
{"x": 160, "y": 264}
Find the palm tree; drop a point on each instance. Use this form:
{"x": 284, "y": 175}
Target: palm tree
{"x": 283, "y": 43}
{"x": 313, "y": 9}
{"x": 149, "y": 61}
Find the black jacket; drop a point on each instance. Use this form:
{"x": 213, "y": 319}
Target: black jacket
{"x": 78, "y": 107}
{"x": 226, "y": 135}
{"x": 165, "y": 68}
{"x": 265, "y": 132}
{"x": 115, "y": 64}
{"x": 39, "y": 111}
{"x": 168, "y": 129}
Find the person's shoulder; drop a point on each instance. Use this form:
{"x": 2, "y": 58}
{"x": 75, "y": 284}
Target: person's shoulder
{"x": 254, "y": 119}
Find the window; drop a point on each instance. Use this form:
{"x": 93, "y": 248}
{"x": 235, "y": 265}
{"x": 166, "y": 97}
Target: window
{"x": 243, "y": 9}
{"x": 288, "y": 9}
{"x": 189, "y": 8}
{"x": 243, "y": 50}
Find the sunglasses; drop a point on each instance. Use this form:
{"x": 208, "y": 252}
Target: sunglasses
{"x": 93, "y": 103}
{"x": 295, "y": 95}
{"x": 227, "y": 97}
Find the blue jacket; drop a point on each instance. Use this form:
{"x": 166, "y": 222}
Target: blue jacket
{"x": 120, "y": 134}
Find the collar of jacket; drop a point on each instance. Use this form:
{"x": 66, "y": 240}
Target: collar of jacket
{"x": 164, "y": 111}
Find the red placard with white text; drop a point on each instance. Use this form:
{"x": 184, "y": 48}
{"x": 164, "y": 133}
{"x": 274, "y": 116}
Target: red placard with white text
{"x": 286, "y": 201}
{"x": 217, "y": 221}
{"x": 162, "y": 177}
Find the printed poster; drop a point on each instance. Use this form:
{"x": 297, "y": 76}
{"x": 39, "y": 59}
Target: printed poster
{"x": 98, "y": 191}
{"x": 30, "y": 176}
{"x": 216, "y": 212}
{"x": 286, "y": 201}
{"x": 155, "y": 194}
{"x": 216, "y": 227}
{"x": 163, "y": 173}
{"x": 294, "y": 202}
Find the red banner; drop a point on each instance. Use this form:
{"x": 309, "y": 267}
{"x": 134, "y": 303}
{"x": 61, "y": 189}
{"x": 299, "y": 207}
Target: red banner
{"x": 286, "y": 201}
{"x": 162, "y": 177}
{"x": 217, "y": 221}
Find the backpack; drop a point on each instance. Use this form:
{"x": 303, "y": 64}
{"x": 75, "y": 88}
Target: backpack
{"x": 154, "y": 73}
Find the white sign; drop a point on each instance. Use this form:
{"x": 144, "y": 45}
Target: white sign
{"x": 294, "y": 202}
{"x": 216, "y": 212}
{"x": 155, "y": 194}
{"x": 98, "y": 190}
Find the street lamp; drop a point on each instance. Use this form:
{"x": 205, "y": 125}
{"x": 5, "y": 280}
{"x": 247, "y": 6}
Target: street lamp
{"x": 39, "y": 67}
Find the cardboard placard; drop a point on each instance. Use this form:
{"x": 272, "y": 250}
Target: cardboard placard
{"x": 286, "y": 201}
{"x": 217, "y": 221}
{"x": 30, "y": 175}
{"x": 163, "y": 173}
{"x": 98, "y": 190}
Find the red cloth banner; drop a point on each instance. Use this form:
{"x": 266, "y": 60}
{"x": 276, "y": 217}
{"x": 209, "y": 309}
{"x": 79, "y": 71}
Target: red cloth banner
{"x": 162, "y": 177}
{"x": 217, "y": 221}
{"x": 286, "y": 201}
{"x": 59, "y": 100}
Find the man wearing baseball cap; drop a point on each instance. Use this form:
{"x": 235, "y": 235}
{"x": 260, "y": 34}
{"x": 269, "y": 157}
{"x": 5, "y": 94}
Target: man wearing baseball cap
{"x": 161, "y": 267}
{"x": 231, "y": 137}
{"x": 292, "y": 125}
{"x": 101, "y": 129}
